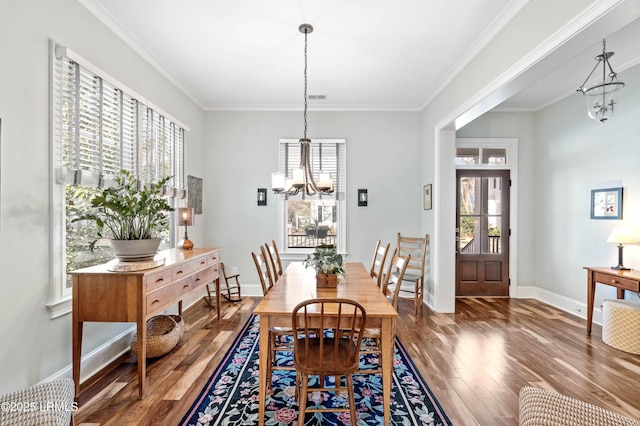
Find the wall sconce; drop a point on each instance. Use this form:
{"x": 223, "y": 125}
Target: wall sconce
{"x": 262, "y": 196}
{"x": 621, "y": 236}
{"x": 363, "y": 198}
{"x": 185, "y": 218}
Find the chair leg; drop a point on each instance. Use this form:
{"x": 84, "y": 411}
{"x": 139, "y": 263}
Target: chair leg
{"x": 352, "y": 401}
{"x": 302, "y": 400}
{"x": 270, "y": 360}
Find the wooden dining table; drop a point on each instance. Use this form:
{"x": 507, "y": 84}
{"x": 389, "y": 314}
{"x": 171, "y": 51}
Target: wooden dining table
{"x": 298, "y": 284}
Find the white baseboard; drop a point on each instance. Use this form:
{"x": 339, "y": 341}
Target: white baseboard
{"x": 561, "y": 302}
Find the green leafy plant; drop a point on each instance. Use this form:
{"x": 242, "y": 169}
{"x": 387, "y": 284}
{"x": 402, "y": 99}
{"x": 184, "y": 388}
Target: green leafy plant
{"x": 326, "y": 260}
{"x": 126, "y": 212}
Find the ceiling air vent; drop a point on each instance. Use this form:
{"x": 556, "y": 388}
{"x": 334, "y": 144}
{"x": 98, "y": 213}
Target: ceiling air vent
{"x": 317, "y": 97}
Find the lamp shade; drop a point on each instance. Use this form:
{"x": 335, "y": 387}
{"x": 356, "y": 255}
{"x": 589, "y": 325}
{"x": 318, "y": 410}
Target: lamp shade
{"x": 622, "y": 236}
{"x": 185, "y": 216}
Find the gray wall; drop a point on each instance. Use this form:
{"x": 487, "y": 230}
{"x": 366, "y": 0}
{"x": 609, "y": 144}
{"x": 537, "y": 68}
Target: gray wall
{"x": 242, "y": 150}
{"x": 575, "y": 155}
{"x": 34, "y": 346}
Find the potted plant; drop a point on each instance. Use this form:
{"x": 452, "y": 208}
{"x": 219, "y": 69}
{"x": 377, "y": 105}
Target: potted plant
{"x": 328, "y": 264}
{"x": 130, "y": 216}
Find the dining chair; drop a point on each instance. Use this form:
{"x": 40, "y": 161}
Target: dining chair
{"x": 276, "y": 256}
{"x": 271, "y": 251}
{"x": 280, "y": 338}
{"x": 264, "y": 271}
{"x": 417, "y": 248}
{"x": 377, "y": 264}
{"x": 395, "y": 272}
{"x": 334, "y": 351}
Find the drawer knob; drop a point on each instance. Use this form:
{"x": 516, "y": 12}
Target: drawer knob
{"x": 614, "y": 281}
{"x": 203, "y": 262}
{"x": 197, "y": 280}
{"x": 155, "y": 301}
{"x": 178, "y": 273}
{"x": 159, "y": 280}
{"x": 185, "y": 286}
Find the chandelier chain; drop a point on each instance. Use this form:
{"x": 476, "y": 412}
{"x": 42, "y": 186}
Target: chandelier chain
{"x": 305, "y": 84}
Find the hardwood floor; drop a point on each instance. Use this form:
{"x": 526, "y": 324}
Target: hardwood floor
{"x": 475, "y": 361}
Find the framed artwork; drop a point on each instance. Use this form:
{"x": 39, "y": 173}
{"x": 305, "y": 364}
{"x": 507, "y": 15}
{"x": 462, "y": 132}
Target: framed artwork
{"x": 194, "y": 187}
{"x": 606, "y": 203}
{"x": 426, "y": 193}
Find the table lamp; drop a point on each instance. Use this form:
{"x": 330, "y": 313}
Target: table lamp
{"x": 185, "y": 218}
{"x": 621, "y": 236}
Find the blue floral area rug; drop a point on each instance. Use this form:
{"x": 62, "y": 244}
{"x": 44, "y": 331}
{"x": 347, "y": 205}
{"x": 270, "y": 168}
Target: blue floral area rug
{"x": 230, "y": 397}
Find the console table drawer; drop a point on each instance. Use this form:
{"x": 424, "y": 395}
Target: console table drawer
{"x": 206, "y": 276}
{"x": 213, "y": 258}
{"x": 160, "y": 299}
{"x": 617, "y": 281}
{"x": 159, "y": 279}
{"x": 188, "y": 268}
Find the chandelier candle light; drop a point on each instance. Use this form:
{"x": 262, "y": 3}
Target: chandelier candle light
{"x": 599, "y": 93}
{"x": 302, "y": 179}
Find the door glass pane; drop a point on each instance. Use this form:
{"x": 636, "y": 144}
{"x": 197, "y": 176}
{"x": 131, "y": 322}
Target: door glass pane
{"x": 493, "y": 244}
{"x": 470, "y": 196}
{"x": 469, "y": 228}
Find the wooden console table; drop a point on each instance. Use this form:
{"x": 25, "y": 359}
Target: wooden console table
{"x": 103, "y": 296}
{"x": 621, "y": 280}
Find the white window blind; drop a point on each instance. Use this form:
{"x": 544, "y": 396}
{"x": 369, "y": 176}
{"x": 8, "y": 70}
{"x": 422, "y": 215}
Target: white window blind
{"x": 326, "y": 155}
{"x": 100, "y": 129}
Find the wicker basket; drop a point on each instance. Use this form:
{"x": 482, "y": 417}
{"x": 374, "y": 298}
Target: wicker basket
{"x": 163, "y": 334}
{"x": 180, "y": 322}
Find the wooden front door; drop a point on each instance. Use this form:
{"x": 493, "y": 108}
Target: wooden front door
{"x": 482, "y": 233}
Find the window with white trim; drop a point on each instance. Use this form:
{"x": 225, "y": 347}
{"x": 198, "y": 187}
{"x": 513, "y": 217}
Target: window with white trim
{"x": 306, "y": 221}
{"x": 99, "y": 127}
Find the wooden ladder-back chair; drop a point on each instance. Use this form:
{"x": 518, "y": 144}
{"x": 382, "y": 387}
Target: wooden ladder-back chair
{"x": 276, "y": 257}
{"x": 417, "y": 248}
{"x": 264, "y": 271}
{"x": 280, "y": 338}
{"x": 327, "y": 339}
{"x": 274, "y": 261}
{"x": 377, "y": 265}
{"x": 230, "y": 290}
{"x": 394, "y": 274}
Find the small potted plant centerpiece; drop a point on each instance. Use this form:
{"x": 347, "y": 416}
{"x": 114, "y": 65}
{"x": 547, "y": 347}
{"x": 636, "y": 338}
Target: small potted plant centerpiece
{"x": 130, "y": 216}
{"x": 328, "y": 264}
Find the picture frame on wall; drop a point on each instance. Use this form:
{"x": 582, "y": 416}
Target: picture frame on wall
{"x": 428, "y": 197}
{"x": 606, "y": 203}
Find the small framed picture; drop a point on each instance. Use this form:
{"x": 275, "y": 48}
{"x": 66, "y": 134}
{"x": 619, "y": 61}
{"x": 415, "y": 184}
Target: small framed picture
{"x": 606, "y": 203}
{"x": 426, "y": 193}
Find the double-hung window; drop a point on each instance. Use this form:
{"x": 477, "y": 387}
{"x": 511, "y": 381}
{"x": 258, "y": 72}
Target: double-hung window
{"x": 99, "y": 127}
{"x": 306, "y": 221}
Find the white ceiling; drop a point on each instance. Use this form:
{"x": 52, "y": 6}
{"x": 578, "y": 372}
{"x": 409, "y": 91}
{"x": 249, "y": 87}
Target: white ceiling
{"x": 362, "y": 54}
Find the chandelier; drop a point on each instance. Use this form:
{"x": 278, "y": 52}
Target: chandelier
{"x": 599, "y": 93}
{"x": 302, "y": 179}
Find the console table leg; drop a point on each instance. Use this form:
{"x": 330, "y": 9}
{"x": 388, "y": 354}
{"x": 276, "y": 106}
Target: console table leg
{"x": 591, "y": 293}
